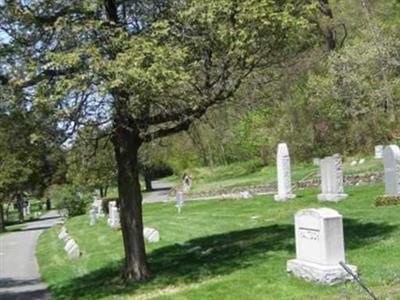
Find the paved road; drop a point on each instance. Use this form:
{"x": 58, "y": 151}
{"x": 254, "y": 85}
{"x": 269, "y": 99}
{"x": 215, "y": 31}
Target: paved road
{"x": 19, "y": 276}
{"x": 160, "y": 192}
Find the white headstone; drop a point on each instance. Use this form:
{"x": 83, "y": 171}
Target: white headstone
{"x": 152, "y": 235}
{"x": 319, "y": 247}
{"x": 361, "y": 161}
{"x": 391, "y": 161}
{"x": 74, "y": 252}
{"x": 353, "y": 163}
{"x": 245, "y": 195}
{"x": 180, "y": 200}
{"x": 331, "y": 171}
{"x": 379, "y": 151}
{"x": 111, "y": 211}
{"x": 92, "y": 217}
{"x": 284, "y": 175}
{"x": 68, "y": 246}
{"x": 115, "y": 221}
{"x": 63, "y": 233}
{"x": 97, "y": 205}
{"x": 66, "y": 238}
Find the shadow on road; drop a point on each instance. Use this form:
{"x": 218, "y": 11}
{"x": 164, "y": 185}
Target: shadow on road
{"x": 10, "y": 282}
{"x": 27, "y": 295}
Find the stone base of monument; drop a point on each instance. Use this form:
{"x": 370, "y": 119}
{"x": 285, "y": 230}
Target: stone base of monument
{"x": 284, "y": 197}
{"x": 332, "y": 197}
{"x": 327, "y": 275}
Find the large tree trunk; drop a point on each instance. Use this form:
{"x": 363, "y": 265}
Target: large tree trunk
{"x": 2, "y": 225}
{"x": 126, "y": 145}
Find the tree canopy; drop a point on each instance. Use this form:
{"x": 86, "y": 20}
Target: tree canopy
{"x": 145, "y": 69}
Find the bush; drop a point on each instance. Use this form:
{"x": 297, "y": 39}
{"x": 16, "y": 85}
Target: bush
{"x": 387, "y": 200}
{"x": 69, "y": 198}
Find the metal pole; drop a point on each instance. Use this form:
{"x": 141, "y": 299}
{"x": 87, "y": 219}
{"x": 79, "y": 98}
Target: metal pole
{"x": 357, "y": 279}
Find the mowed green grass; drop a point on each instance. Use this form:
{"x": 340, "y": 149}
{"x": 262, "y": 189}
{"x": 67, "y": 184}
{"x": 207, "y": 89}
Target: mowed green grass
{"x": 228, "y": 249}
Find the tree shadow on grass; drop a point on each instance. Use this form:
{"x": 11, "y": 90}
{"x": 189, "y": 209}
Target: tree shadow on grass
{"x": 210, "y": 256}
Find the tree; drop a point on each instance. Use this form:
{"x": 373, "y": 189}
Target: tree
{"x": 148, "y": 68}
{"x": 90, "y": 162}
{"x": 17, "y": 162}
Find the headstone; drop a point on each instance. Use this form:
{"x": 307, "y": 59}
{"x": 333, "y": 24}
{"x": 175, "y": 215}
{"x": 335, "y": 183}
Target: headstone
{"x": 63, "y": 233}
{"x": 97, "y": 205}
{"x": 180, "y": 201}
{"x": 379, "y": 151}
{"x": 353, "y": 163}
{"x": 115, "y": 221}
{"x": 68, "y": 246}
{"x": 74, "y": 252}
{"x": 319, "y": 247}
{"x": 284, "y": 175}
{"x": 66, "y": 238}
{"x": 245, "y": 195}
{"x": 316, "y": 161}
{"x": 152, "y": 235}
{"x": 111, "y": 205}
{"x": 391, "y": 161}
{"x": 361, "y": 161}
{"x": 26, "y": 209}
{"x": 92, "y": 217}
{"x": 331, "y": 171}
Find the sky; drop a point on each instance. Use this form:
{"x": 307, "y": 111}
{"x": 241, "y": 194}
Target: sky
{"x": 4, "y": 38}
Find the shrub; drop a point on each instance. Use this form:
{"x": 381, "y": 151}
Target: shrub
{"x": 69, "y": 198}
{"x": 387, "y": 200}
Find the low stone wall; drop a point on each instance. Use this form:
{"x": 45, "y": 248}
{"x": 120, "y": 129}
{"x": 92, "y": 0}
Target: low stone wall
{"x": 349, "y": 180}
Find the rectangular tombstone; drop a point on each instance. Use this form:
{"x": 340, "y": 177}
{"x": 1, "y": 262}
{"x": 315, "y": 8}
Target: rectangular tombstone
{"x": 180, "y": 199}
{"x": 151, "y": 235}
{"x": 379, "y": 151}
{"x": 74, "y": 252}
{"x": 391, "y": 161}
{"x": 115, "y": 222}
{"x": 97, "y": 205}
{"x": 331, "y": 172}
{"x": 319, "y": 247}
{"x": 28, "y": 208}
{"x": 111, "y": 211}
{"x": 92, "y": 217}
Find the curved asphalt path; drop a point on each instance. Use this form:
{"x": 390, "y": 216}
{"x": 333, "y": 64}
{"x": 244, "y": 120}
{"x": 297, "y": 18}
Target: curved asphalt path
{"x": 19, "y": 276}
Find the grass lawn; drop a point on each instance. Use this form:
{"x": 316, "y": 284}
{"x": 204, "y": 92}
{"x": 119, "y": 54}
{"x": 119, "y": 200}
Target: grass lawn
{"x": 228, "y": 249}
{"x": 251, "y": 173}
